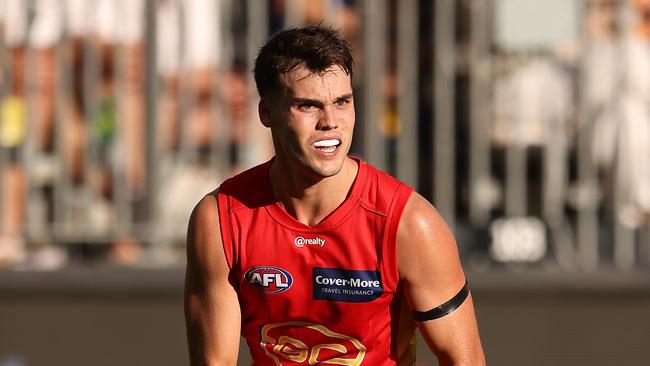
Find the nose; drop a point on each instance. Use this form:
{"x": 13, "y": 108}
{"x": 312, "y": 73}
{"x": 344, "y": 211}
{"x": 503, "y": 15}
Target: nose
{"x": 327, "y": 119}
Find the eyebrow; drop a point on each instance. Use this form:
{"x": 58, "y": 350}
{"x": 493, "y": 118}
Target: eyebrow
{"x": 318, "y": 102}
{"x": 344, "y": 97}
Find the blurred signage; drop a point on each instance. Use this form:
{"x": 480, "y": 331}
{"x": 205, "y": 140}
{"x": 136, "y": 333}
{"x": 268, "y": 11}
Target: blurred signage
{"x": 518, "y": 239}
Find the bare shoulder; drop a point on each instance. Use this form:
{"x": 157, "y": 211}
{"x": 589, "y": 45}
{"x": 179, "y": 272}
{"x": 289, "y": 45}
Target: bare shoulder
{"x": 204, "y": 248}
{"x": 423, "y": 228}
{"x": 205, "y": 213}
{"x": 427, "y": 254}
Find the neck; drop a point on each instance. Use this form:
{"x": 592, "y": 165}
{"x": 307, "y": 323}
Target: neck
{"x": 311, "y": 200}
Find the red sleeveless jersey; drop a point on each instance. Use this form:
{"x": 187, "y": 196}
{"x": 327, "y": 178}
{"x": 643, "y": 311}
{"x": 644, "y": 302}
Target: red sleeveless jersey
{"x": 325, "y": 294}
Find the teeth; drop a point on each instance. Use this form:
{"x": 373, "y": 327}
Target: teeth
{"x": 326, "y": 143}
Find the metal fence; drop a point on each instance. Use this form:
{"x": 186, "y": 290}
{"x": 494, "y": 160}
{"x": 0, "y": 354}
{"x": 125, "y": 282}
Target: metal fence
{"x": 117, "y": 116}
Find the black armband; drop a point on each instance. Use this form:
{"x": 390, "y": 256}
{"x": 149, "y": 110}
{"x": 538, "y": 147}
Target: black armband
{"x": 444, "y": 309}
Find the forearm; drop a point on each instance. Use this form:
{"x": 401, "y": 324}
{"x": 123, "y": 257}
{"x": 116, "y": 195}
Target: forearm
{"x": 209, "y": 343}
{"x": 454, "y": 338}
{"x": 472, "y": 356}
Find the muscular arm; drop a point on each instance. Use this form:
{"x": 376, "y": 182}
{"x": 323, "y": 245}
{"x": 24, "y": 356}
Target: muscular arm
{"x": 212, "y": 312}
{"x": 431, "y": 272}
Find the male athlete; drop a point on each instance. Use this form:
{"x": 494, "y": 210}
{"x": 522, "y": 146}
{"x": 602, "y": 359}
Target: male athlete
{"x": 316, "y": 257}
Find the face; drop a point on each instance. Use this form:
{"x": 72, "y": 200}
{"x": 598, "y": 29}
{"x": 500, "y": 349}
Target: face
{"x": 311, "y": 121}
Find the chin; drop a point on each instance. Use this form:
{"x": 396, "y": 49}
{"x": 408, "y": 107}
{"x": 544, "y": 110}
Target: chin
{"x": 329, "y": 172}
{"x": 329, "y": 168}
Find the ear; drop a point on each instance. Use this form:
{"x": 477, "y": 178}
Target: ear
{"x": 264, "y": 111}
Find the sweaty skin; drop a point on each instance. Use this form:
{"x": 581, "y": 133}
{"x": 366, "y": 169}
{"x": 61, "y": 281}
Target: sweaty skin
{"x": 311, "y": 122}
{"x": 430, "y": 270}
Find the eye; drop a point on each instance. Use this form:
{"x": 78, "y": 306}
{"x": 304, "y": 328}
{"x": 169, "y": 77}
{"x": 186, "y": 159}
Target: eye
{"x": 307, "y": 106}
{"x": 342, "y": 102}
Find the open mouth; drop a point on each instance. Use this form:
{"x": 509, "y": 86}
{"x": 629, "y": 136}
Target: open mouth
{"x": 327, "y": 146}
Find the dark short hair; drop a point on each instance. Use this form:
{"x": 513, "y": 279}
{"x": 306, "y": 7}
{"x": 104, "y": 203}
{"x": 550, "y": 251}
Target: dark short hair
{"x": 317, "y": 47}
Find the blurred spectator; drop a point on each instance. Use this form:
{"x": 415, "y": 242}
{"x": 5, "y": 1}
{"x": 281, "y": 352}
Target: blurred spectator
{"x": 339, "y": 14}
{"x": 616, "y": 91}
{"x": 41, "y": 36}
{"x": 190, "y": 61}
{"x": 532, "y": 103}
{"x": 168, "y": 58}
{"x": 74, "y": 123}
{"x": 12, "y": 132}
{"x": 120, "y": 124}
{"x": 189, "y": 51}
{"x": 633, "y": 172}
{"x": 602, "y": 80}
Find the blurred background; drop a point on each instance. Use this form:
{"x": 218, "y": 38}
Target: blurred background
{"x": 526, "y": 122}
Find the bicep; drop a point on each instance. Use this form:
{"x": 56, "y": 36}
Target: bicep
{"x": 431, "y": 273}
{"x": 212, "y": 310}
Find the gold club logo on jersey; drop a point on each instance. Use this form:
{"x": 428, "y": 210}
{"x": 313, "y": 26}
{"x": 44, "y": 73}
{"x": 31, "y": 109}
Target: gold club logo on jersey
{"x": 309, "y": 344}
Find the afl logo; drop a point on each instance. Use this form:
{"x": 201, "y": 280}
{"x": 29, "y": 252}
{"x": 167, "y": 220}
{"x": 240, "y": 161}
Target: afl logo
{"x": 271, "y": 280}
